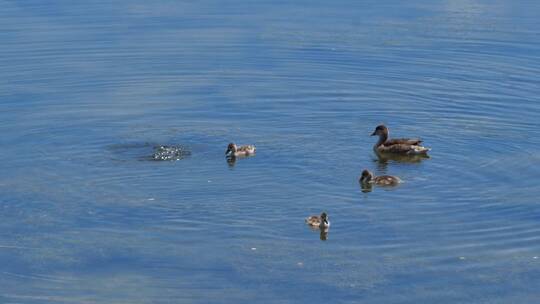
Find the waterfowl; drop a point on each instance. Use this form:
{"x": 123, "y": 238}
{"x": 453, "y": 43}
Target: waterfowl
{"x": 367, "y": 178}
{"x": 403, "y": 146}
{"x": 235, "y": 151}
{"x": 318, "y": 221}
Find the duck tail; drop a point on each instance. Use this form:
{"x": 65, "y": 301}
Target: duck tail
{"x": 421, "y": 150}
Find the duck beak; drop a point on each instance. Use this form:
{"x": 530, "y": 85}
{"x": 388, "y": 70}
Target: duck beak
{"x": 374, "y": 133}
{"x": 228, "y": 152}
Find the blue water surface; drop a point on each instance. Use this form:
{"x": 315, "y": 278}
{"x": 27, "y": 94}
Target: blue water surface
{"x": 88, "y": 89}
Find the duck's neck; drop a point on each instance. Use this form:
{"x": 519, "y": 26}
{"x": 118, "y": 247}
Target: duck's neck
{"x": 382, "y": 139}
{"x": 365, "y": 180}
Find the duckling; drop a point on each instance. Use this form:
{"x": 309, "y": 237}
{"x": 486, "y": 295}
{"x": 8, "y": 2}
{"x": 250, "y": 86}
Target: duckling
{"x": 235, "y": 151}
{"x": 318, "y": 221}
{"x": 368, "y": 178}
{"x": 403, "y": 146}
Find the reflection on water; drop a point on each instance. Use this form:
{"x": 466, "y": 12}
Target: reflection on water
{"x": 323, "y": 234}
{"x": 231, "y": 159}
{"x": 384, "y": 159}
{"x": 90, "y": 91}
{"x": 366, "y": 187}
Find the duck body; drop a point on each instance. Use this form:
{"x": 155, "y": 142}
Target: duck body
{"x": 318, "y": 221}
{"x": 401, "y": 146}
{"x": 367, "y": 178}
{"x": 239, "y": 151}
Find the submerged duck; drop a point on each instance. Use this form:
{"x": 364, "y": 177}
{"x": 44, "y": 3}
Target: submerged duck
{"x": 235, "y": 151}
{"x": 403, "y": 146}
{"x": 367, "y": 178}
{"x": 318, "y": 221}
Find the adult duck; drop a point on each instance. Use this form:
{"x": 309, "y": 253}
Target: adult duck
{"x": 402, "y": 146}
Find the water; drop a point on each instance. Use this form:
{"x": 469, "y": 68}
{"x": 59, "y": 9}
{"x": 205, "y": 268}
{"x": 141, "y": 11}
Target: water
{"x": 88, "y": 90}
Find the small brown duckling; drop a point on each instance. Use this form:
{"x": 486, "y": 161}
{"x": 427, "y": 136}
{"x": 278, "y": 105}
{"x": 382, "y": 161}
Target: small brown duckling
{"x": 384, "y": 180}
{"x": 403, "y": 146}
{"x": 318, "y": 221}
{"x": 235, "y": 151}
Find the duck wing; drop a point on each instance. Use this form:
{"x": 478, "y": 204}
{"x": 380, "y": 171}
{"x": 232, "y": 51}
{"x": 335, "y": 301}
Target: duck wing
{"x": 246, "y": 149}
{"x": 387, "y": 180}
{"x": 403, "y": 141}
{"x": 313, "y": 220}
{"x": 403, "y": 149}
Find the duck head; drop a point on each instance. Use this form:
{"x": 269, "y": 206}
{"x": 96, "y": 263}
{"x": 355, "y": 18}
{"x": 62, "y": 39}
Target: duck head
{"x": 231, "y": 149}
{"x": 380, "y": 130}
{"x": 324, "y": 218}
{"x": 366, "y": 176}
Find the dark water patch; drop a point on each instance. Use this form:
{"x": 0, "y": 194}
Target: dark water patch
{"x": 130, "y": 151}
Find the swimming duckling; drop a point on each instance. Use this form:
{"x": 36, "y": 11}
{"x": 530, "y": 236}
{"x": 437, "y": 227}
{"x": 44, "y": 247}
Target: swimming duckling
{"x": 368, "y": 178}
{"x": 403, "y": 146}
{"x": 235, "y": 151}
{"x": 318, "y": 221}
